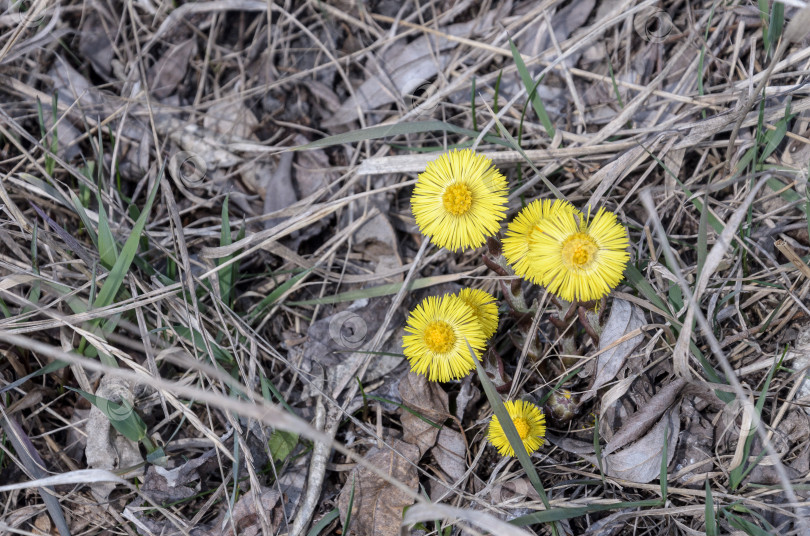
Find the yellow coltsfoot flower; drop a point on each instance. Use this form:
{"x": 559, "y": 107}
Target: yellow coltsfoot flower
{"x": 580, "y": 259}
{"x": 529, "y": 422}
{"x": 439, "y": 330}
{"x": 519, "y": 234}
{"x": 459, "y": 200}
{"x": 484, "y": 308}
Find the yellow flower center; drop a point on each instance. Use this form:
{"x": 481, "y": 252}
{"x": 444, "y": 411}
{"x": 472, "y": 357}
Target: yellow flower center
{"x": 579, "y": 251}
{"x": 522, "y": 427}
{"x": 439, "y": 337}
{"x": 457, "y": 199}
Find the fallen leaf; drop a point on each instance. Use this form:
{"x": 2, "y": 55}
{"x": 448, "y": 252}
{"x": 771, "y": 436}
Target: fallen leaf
{"x": 167, "y": 73}
{"x": 638, "y": 423}
{"x": 450, "y": 453}
{"x": 95, "y": 44}
{"x": 376, "y": 241}
{"x": 427, "y": 399}
{"x": 170, "y": 485}
{"x": 468, "y": 394}
{"x": 245, "y": 518}
{"x": 332, "y": 340}
{"x": 624, "y": 318}
{"x": 231, "y": 118}
{"x": 377, "y": 507}
{"x": 405, "y": 68}
{"x": 695, "y": 448}
{"x": 641, "y": 461}
{"x": 292, "y": 483}
{"x": 106, "y": 448}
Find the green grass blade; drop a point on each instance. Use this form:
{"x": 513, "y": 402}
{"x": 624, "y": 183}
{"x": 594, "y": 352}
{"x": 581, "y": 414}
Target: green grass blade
{"x": 703, "y": 241}
{"x": 509, "y": 428}
{"x": 119, "y": 270}
{"x": 559, "y": 384}
{"x": 711, "y": 523}
{"x": 107, "y": 249}
{"x": 47, "y": 369}
{"x": 738, "y": 474}
{"x": 531, "y": 89}
{"x": 220, "y": 354}
{"x": 271, "y": 298}
{"x": 636, "y": 280}
{"x": 88, "y": 223}
{"x": 324, "y": 522}
{"x": 775, "y": 25}
{"x": 472, "y": 105}
{"x": 348, "y": 520}
{"x": 744, "y": 525}
{"x": 613, "y": 80}
{"x": 121, "y": 415}
{"x": 773, "y": 138}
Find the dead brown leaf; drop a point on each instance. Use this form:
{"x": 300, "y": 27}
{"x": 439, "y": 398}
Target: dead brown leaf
{"x": 641, "y": 461}
{"x": 246, "y": 515}
{"x": 624, "y": 318}
{"x": 377, "y": 506}
{"x": 450, "y": 453}
{"x": 640, "y": 421}
{"x": 167, "y": 73}
{"x": 430, "y": 401}
{"x": 170, "y": 485}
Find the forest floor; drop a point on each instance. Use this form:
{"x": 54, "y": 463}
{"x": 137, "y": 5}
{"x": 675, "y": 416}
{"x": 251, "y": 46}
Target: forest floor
{"x": 208, "y": 257}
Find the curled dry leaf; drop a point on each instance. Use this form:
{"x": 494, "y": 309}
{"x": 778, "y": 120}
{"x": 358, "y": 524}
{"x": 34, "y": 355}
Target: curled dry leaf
{"x": 641, "y": 461}
{"x": 378, "y": 505}
{"x": 427, "y": 399}
{"x": 624, "y": 318}
{"x": 640, "y": 421}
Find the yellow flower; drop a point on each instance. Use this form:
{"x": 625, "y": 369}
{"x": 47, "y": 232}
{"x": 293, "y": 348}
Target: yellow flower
{"x": 529, "y": 422}
{"x": 529, "y": 221}
{"x": 580, "y": 260}
{"x": 439, "y": 330}
{"x": 484, "y": 308}
{"x": 459, "y": 200}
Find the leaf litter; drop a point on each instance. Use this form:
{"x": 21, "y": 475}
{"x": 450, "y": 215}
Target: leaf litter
{"x": 89, "y": 124}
